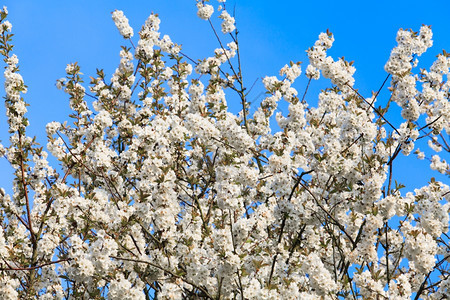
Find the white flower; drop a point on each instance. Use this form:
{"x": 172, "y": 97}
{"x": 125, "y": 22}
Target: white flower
{"x": 270, "y": 82}
{"x": 172, "y": 187}
{"x": 52, "y": 127}
{"x": 103, "y": 119}
{"x": 122, "y": 24}
{"x": 438, "y": 165}
{"x": 5, "y": 26}
{"x": 227, "y": 23}
{"x": 291, "y": 72}
{"x": 70, "y": 68}
{"x": 60, "y": 83}
{"x": 312, "y": 72}
{"x": 204, "y": 11}
{"x": 122, "y": 289}
{"x": 420, "y": 154}
{"x": 433, "y": 144}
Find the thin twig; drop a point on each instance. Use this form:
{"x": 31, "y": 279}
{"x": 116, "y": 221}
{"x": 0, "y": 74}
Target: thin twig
{"x": 165, "y": 270}
{"x": 379, "y": 90}
{"x": 35, "y": 267}
{"x": 376, "y": 110}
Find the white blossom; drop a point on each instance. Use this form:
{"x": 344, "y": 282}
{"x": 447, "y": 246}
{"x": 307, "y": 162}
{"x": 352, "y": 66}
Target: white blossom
{"x": 165, "y": 188}
{"x": 204, "y": 11}
{"x": 122, "y": 24}
{"x": 227, "y": 23}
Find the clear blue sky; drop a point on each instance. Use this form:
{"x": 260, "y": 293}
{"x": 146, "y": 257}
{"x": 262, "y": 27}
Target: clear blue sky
{"x": 50, "y": 34}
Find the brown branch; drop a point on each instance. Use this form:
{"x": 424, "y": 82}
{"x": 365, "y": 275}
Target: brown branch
{"x": 328, "y": 214}
{"x": 238, "y": 75}
{"x": 379, "y": 90}
{"x": 431, "y": 123}
{"x": 376, "y": 110}
{"x": 25, "y": 190}
{"x": 49, "y": 204}
{"x": 422, "y": 286}
{"x": 390, "y": 176}
{"x": 283, "y": 223}
{"x": 354, "y": 142}
{"x": 445, "y": 142}
{"x": 202, "y": 289}
{"x": 35, "y": 267}
{"x": 306, "y": 90}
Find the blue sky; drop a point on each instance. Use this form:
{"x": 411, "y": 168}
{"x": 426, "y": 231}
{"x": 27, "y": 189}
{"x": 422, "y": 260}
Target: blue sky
{"x": 50, "y": 34}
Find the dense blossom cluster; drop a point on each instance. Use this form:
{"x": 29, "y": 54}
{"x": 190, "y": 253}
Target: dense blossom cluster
{"x": 205, "y": 11}
{"x": 164, "y": 193}
{"x": 122, "y": 24}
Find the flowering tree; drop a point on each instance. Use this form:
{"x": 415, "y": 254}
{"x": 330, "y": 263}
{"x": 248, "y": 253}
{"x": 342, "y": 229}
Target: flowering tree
{"x": 162, "y": 192}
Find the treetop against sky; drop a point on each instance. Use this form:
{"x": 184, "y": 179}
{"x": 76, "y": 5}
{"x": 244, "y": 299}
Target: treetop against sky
{"x": 51, "y": 34}
{"x": 226, "y": 150}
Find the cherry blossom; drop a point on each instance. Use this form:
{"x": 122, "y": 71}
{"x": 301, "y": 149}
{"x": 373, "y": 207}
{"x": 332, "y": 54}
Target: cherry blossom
{"x": 161, "y": 191}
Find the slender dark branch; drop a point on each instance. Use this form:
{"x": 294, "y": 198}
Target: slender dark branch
{"x": 425, "y": 135}
{"x": 131, "y": 42}
{"x": 424, "y": 282}
{"x": 376, "y": 110}
{"x": 388, "y": 279}
{"x": 429, "y": 124}
{"x": 92, "y": 96}
{"x": 306, "y": 90}
{"x": 223, "y": 49}
{"x": 379, "y": 90}
{"x": 49, "y": 204}
{"x": 283, "y": 223}
{"x": 233, "y": 241}
{"x": 396, "y": 153}
{"x": 390, "y": 177}
{"x": 354, "y": 142}
{"x": 328, "y": 214}
{"x": 34, "y": 267}
{"x": 299, "y": 179}
{"x": 253, "y": 85}
{"x": 25, "y": 191}
{"x": 237, "y": 75}
{"x": 359, "y": 235}
{"x": 445, "y": 142}
{"x": 295, "y": 244}
{"x": 165, "y": 270}
{"x": 193, "y": 61}
{"x": 137, "y": 67}
{"x": 136, "y": 85}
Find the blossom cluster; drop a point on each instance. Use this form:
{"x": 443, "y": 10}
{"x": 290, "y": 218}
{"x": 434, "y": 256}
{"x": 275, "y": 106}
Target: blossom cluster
{"x": 122, "y": 24}
{"x": 162, "y": 192}
{"x": 205, "y": 11}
